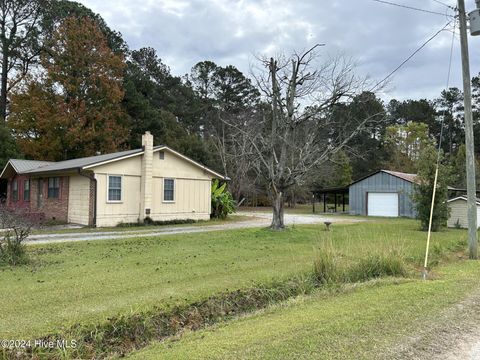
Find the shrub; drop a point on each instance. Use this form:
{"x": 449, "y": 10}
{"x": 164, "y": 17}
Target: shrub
{"x": 222, "y": 201}
{"x": 12, "y": 251}
{"x": 377, "y": 265}
{"x": 17, "y": 228}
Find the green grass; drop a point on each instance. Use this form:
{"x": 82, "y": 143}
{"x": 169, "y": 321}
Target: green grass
{"x": 87, "y": 282}
{"x": 363, "y": 323}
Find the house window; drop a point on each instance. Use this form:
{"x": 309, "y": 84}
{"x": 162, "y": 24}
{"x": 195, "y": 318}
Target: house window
{"x": 168, "y": 190}
{"x": 15, "y": 190}
{"x": 53, "y": 188}
{"x": 114, "y": 188}
{"x": 26, "y": 190}
{"x": 161, "y": 155}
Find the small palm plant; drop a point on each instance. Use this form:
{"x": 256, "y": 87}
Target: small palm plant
{"x": 222, "y": 201}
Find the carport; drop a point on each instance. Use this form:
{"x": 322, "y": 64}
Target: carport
{"x": 339, "y": 195}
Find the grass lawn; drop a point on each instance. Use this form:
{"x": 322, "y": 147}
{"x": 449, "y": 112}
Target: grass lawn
{"x": 364, "y": 323}
{"x": 86, "y": 282}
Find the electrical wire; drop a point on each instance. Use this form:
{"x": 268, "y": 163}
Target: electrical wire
{"x": 442, "y": 3}
{"x": 439, "y": 151}
{"x": 409, "y": 57}
{"x": 409, "y": 7}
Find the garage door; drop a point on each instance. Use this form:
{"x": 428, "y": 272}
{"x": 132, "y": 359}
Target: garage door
{"x": 383, "y": 204}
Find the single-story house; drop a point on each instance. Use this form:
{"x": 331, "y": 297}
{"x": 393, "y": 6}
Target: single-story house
{"x": 105, "y": 190}
{"x": 458, "y": 212}
{"x": 383, "y": 193}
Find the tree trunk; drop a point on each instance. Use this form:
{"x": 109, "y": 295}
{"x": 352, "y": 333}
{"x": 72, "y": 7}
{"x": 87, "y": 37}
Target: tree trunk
{"x": 277, "y": 207}
{"x": 3, "y": 87}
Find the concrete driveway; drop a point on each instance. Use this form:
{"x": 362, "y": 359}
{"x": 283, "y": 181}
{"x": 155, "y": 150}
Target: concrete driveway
{"x": 257, "y": 220}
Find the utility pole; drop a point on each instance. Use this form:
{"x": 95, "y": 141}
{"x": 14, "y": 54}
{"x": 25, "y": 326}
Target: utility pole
{"x": 469, "y": 144}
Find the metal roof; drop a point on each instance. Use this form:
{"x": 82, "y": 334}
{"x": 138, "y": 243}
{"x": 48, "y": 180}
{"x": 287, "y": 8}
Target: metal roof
{"x": 22, "y": 166}
{"x": 81, "y": 162}
{"x": 463, "y": 198}
{"x": 412, "y": 178}
{"x": 43, "y": 167}
{"x": 405, "y": 176}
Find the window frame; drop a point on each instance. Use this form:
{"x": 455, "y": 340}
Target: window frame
{"x": 55, "y": 195}
{"x": 108, "y": 189}
{"x": 14, "y": 190}
{"x": 26, "y": 190}
{"x": 173, "y": 190}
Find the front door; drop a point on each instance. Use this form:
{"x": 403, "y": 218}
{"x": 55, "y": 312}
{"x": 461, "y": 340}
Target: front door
{"x": 39, "y": 193}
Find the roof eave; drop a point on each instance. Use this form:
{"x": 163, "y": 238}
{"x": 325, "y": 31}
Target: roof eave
{"x": 5, "y": 168}
{"x": 213, "y": 172}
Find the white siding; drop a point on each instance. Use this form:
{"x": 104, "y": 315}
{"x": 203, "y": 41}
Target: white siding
{"x": 78, "y": 200}
{"x": 127, "y": 210}
{"x": 458, "y": 214}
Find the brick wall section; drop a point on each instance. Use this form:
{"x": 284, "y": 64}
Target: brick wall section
{"x": 51, "y": 208}
{"x": 20, "y": 203}
{"x": 57, "y": 208}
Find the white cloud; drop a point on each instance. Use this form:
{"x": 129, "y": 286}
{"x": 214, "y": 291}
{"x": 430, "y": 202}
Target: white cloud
{"x": 379, "y": 36}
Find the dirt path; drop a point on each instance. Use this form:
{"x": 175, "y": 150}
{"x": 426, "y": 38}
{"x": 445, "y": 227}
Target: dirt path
{"x": 453, "y": 335}
{"x": 258, "y": 219}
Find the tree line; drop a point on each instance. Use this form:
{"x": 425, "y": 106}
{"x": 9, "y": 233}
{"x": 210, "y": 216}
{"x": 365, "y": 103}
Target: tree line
{"x": 71, "y": 87}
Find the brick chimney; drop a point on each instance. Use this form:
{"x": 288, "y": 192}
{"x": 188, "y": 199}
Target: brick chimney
{"x": 147, "y": 176}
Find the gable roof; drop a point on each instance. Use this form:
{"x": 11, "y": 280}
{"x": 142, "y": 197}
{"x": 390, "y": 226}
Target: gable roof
{"x": 80, "y": 163}
{"x": 22, "y": 166}
{"x": 404, "y": 176}
{"x": 462, "y": 198}
{"x": 45, "y": 167}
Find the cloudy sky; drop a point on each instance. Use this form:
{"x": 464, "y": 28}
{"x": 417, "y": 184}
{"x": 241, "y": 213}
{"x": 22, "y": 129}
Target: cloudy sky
{"x": 378, "y": 36}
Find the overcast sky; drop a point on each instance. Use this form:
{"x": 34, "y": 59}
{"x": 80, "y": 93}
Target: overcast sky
{"x": 378, "y": 36}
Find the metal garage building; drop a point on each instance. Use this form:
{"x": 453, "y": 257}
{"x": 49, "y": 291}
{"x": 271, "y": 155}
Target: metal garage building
{"x": 383, "y": 193}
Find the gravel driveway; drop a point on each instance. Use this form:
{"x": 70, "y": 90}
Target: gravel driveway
{"x": 258, "y": 219}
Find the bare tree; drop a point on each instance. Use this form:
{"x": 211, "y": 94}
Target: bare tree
{"x": 294, "y": 134}
{"x": 19, "y": 35}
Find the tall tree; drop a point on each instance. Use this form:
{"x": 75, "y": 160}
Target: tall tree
{"x": 56, "y": 11}
{"x": 19, "y": 47}
{"x": 226, "y": 95}
{"x": 164, "y": 104}
{"x": 366, "y": 147}
{"x": 73, "y": 108}
{"x": 8, "y": 148}
{"x": 450, "y": 107}
{"x": 405, "y": 143}
{"x": 291, "y": 138}
{"x": 459, "y": 173}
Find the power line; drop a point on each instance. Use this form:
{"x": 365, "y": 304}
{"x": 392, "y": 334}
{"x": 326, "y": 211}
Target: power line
{"x": 410, "y": 7}
{"x": 439, "y": 151}
{"x": 411, "y": 55}
{"x": 442, "y": 3}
